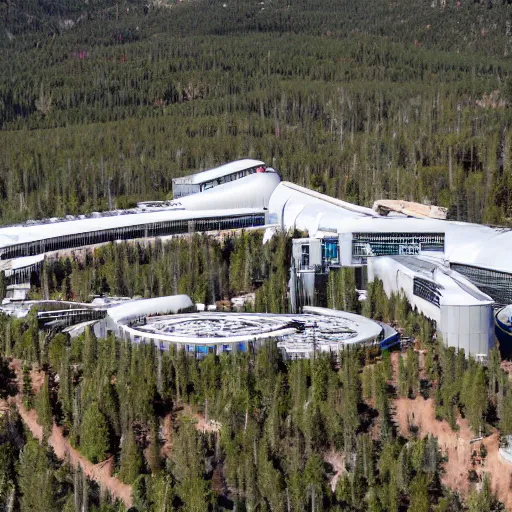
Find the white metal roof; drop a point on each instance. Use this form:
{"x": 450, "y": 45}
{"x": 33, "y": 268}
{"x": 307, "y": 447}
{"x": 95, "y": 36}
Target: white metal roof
{"x": 289, "y": 201}
{"x": 367, "y": 329}
{"x": 253, "y": 191}
{"x": 218, "y": 172}
{"x": 480, "y": 246}
{"x": 133, "y": 309}
{"x": 9, "y": 265}
{"x": 225, "y": 328}
{"x": 454, "y": 289}
{"x": 22, "y": 234}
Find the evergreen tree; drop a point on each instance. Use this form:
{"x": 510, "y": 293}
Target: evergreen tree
{"x": 419, "y": 498}
{"x": 28, "y": 394}
{"x": 131, "y": 459}
{"x": 36, "y": 480}
{"x": 44, "y": 409}
{"x": 94, "y": 435}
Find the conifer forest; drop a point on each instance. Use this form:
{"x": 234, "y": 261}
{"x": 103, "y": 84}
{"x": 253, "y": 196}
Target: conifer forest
{"x": 102, "y": 104}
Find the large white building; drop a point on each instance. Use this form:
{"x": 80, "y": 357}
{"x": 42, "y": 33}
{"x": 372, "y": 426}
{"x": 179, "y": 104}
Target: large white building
{"x": 246, "y": 193}
{"x": 233, "y": 196}
{"x": 469, "y": 264}
{"x": 480, "y": 253}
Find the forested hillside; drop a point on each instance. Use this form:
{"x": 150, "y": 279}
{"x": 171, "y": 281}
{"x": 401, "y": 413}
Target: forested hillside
{"x": 360, "y": 100}
{"x": 305, "y": 435}
{"x": 105, "y": 102}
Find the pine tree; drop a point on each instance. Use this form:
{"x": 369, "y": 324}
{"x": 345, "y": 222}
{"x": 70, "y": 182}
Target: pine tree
{"x": 403, "y": 388}
{"x": 131, "y": 459}
{"x": 412, "y": 371}
{"x": 188, "y": 470}
{"x": 44, "y": 409}
{"x": 28, "y": 394}
{"x": 94, "y": 435}
{"x": 419, "y": 498}
{"x": 90, "y": 352}
{"x": 36, "y": 480}
{"x": 57, "y": 351}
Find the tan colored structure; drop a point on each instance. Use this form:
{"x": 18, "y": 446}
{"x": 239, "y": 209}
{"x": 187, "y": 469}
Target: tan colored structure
{"x": 420, "y": 211}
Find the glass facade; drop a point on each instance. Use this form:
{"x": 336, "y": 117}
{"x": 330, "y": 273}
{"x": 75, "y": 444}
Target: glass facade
{"x": 498, "y": 285}
{"x": 427, "y": 290}
{"x": 153, "y": 230}
{"x": 330, "y": 252}
{"x": 229, "y": 177}
{"x": 394, "y": 244}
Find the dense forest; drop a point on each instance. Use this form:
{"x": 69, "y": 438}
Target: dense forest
{"x": 203, "y": 267}
{"x": 361, "y": 100}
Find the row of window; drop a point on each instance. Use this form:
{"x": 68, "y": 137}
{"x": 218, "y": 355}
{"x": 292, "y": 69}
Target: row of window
{"x": 427, "y": 290}
{"x": 394, "y": 244}
{"x": 498, "y": 285}
{"x": 436, "y": 239}
{"x": 227, "y": 178}
{"x": 152, "y": 230}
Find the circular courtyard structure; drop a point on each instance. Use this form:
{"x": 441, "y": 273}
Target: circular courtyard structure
{"x": 317, "y": 329}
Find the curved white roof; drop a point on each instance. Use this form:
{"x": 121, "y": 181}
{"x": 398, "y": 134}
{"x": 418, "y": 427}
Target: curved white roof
{"x": 397, "y": 274}
{"x": 253, "y": 191}
{"x": 218, "y": 172}
{"x": 289, "y": 200}
{"x": 367, "y": 329}
{"x": 333, "y": 328}
{"x": 479, "y": 246}
{"x": 29, "y": 233}
{"x": 127, "y": 311}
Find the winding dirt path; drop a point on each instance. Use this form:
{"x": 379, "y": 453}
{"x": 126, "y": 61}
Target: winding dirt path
{"x": 101, "y": 473}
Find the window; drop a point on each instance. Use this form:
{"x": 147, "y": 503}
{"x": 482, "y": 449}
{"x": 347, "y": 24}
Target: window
{"x": 393, "y": 244}
{"x": 427, "y": 290}
{"x": 498, "y": 285}
{"x": 330, "y": 251}
{"x": 304, "y": 260}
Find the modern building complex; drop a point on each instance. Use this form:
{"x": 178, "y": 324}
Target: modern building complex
{"x": 238, "y": 199}
{"x": 173, "y": 323}
{"x": 453, "y": 272}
